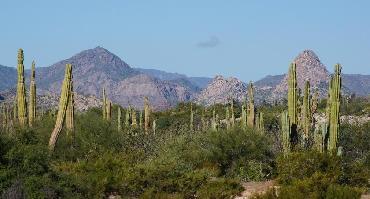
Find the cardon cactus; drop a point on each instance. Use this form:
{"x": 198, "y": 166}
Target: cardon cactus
{"x": 214, "y": 122}
{"x": 127, "y": 117}
{"x": 191, "y": 125}
{"x": 141, "y": 120}
{"x": 133, "y": 118}
{"x": 292, "y": 95}
{"x": 244, "y": 115}
{"x": 70, "y": 113}
{"x": 232, "y": 119}
{"x": 306, "y": 114}
{"x": 146, "y": 114}
{"x": 119, "y": 127}
{"x": 227, "y": 118}
{"x": 32, "y": 98}
{"x": 250, "y": 108}
{"x": 21, "y": 91}
{"x": 260, "y": 123}
{"x": 62, "y": 108}
{"x": 109, "y": 110}
{"x": 104, "y": 107}
{"x": 336, "y": 83}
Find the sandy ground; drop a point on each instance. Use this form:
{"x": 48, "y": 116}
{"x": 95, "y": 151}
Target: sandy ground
{"x": 252, "y": 188}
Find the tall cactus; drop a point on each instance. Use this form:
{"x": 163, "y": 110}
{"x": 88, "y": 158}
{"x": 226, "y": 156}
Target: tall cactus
{"x": 214, "y": 122}
{"x": 133, "y": 118}
{"x": 70, "y": 113}
{"x": 260, "y": 123}
{"x": 119, "y": 127}
{"x": 109, "y": 110}
{"x": 104, "y": 107}
{"x": 127, "y": 117}
{"x": 292, "y": 95}
{"x": 232, "y": 119}
{"x": 244, "y": 114}
{"x": 146, "y": 114}
{"x": 154, "y": 126}
{"x": 21, "y": 91}
{"x": 191, "y": 125}
{"x": 141, "y": 120}
{"x": 62, "y": 109}
{"x": 250, "y": 109}
{"x": 32, "y": 98}
{"x": 306, "y": 114}
{"x": 227, "y": 118}
{"x": 285, "y": 131}
{"x": 336, "y": 84}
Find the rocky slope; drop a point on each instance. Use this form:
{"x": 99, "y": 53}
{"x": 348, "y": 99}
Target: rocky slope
{"x": 221, "y": 89}
{"x": 96, "y": 68}
{"x": 51, "y": 100}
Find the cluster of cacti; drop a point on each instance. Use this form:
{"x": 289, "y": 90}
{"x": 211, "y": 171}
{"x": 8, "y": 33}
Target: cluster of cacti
{"x": 250, "y": 108}
{"x": 32, "y": 98}
{"x": 146, "y": 114}
{"x": 21, "y": 91}
{"x": 66, "y": 97}
{"x": 335, "y": 87}
{"x": 308, "y": 108}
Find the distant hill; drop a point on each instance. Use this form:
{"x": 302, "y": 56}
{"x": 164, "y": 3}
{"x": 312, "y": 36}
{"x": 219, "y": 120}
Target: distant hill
{"x": 200, "y": 82}
{"x": 96, "y": 68}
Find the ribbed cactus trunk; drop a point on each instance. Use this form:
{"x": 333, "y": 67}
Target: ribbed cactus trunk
{"x": 203, "y": 119}
{"x": 141, "y": 120}
{"x": 306, "y": 114}
{"x": 70, "y": 113}
{"x": 285, "y": 131}
{"x": 292, "y": 102}
{"x": 62, "y": 108}
{"x": 104, "y": 107}
{"x": 250, "y": 108}
{"x": 127, "y": 117}
{"x": 319, "y": 137}
{"x": 154, "y": 126}
{"x": 109, "y": 110}
{"x": 133, "y": 118}
{"x": 146, "y": 114}
{"x": 334, "y": 110}
{"x": 244, "y": 115}
{"x": 260, "y": 123}
{"x": 119, "y": 127}
{"x": 232, "y": 119}
{"x": 191, "y": 125}
{"x": 227, "y": 118}
{"x": 21, "y": 91}
{"x": 32, "y": 99}
{"x": 214, "y": 121}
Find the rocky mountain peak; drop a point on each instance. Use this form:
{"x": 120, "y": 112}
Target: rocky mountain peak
{"x": 309, "y": 67}
{"x": 221, "y": 89}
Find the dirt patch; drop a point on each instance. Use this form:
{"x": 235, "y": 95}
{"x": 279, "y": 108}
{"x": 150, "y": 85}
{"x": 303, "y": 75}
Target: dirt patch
{"x": 252, "y": 188}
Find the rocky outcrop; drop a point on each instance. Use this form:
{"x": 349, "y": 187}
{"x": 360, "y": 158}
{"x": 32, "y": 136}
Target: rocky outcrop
{"x": 221, "y": 90}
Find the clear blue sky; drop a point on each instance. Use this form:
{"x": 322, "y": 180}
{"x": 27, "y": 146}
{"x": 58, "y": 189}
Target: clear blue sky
{"x": 246, "y": 39}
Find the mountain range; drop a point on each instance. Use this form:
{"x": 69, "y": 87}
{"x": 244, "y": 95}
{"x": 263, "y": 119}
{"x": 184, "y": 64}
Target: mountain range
{"x": 97, "y": 68}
